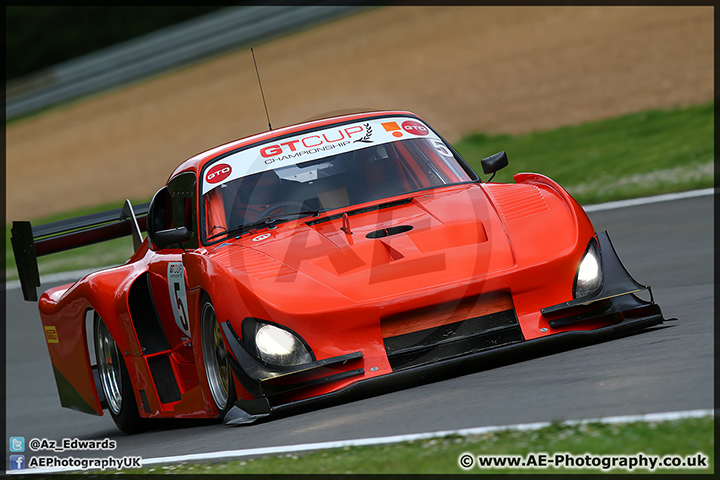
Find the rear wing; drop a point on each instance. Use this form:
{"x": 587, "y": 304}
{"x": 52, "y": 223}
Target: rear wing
{"x": 30, "y": 242}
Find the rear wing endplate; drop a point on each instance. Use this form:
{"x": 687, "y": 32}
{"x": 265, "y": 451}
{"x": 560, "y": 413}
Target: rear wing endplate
{"x": 30, "y": 242}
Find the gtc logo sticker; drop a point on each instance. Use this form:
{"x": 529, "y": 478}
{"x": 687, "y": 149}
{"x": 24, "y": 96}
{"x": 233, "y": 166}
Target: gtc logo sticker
{"x": 218, "y": 173}
{"x": 51, "y": 335}
{"x": 261, "y": 237}
{"x": 416, "y": 128}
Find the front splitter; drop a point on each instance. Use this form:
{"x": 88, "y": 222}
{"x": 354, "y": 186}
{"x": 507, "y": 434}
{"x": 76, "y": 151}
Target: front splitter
{"x": 250, "y": 411}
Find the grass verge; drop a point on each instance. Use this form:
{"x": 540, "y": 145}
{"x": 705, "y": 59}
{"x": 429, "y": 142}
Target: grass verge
{"x": 683, "y": 438}
{"x": 113, "y": 252}
{"x": 647, "y": 153}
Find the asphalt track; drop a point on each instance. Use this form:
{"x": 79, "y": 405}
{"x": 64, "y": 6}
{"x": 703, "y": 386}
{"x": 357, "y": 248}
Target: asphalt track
{"x": 668, "y": 245}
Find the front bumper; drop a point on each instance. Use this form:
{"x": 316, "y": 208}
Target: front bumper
{"x": 615, "y": 298}
{"x": 261, "y": 379}
{"x": 249, "y": 411}
{"x": 614, "y": 305}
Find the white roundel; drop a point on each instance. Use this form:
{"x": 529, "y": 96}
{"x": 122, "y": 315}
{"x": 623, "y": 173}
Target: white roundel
{"x": 261, "y": 237}
{"x": 178, "y": 295}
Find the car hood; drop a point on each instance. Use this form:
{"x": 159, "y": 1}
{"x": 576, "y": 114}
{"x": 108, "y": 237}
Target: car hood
{"x": 407, "y": 245}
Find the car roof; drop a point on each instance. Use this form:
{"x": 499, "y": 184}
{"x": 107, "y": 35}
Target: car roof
{"x": 197, "y": 162}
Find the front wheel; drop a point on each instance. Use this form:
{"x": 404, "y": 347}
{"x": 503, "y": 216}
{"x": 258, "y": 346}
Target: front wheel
{"x": 215, "y": 357}
{"x": 115, "y": 381}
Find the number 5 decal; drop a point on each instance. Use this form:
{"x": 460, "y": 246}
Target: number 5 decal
{"x": 441, "y": 148}
{"x": 178, "y": 297}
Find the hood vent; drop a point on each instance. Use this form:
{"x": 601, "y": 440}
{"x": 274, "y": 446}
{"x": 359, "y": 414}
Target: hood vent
{"x": 386, "y": 232}
{"x": 254, "y": 263}
{"x": 518, "y": 201}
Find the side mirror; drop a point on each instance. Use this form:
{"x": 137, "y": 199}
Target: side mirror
{"x": 172, "y": 236}
{"x": 495, "y": 162}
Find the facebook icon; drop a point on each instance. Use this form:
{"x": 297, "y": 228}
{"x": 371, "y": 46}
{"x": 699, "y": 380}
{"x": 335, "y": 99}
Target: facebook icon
{"x": 17, "y": 462}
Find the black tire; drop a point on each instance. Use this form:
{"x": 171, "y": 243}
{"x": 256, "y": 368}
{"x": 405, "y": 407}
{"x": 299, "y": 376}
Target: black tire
{"x": 215, "y": 359}
{"x": 115, "y": 381}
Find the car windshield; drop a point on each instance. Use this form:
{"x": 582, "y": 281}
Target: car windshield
{"x": 324, "y": 170}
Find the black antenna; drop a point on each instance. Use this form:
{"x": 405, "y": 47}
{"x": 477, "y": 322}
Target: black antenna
{"x": 261, "y": 89}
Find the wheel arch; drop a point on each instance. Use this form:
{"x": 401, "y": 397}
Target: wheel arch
{"x": 208, "y": 279}
{"x": 65, "y": 313}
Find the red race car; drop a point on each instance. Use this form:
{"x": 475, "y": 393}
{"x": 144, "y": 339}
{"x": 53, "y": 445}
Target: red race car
{"x": 319, "y": 261}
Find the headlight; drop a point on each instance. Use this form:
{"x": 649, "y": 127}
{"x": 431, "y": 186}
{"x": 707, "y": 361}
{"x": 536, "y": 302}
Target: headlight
{"x": 589, "y": 274}
{"x": 277, "y": 346}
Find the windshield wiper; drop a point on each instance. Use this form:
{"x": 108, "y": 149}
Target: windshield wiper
{"x": 269, "y": 220}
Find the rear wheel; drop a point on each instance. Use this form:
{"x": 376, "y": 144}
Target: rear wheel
{"x": 115, "y": 381}
{"x": 215, "y": 357}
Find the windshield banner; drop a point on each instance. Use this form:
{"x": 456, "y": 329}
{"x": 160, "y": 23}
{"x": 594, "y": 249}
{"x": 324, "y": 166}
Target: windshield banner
{"x": 313, "y": 146}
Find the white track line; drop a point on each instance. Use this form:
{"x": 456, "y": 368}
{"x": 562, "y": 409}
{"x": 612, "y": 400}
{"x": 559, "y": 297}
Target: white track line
{"x": 653, "y": 417}
{"x": 77, "y": 274}
{"x": 647, "y": 200}
{"x": 523, "y": 427}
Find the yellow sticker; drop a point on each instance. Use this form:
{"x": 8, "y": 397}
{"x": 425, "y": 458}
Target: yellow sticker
{"x": 51, "y": 335}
